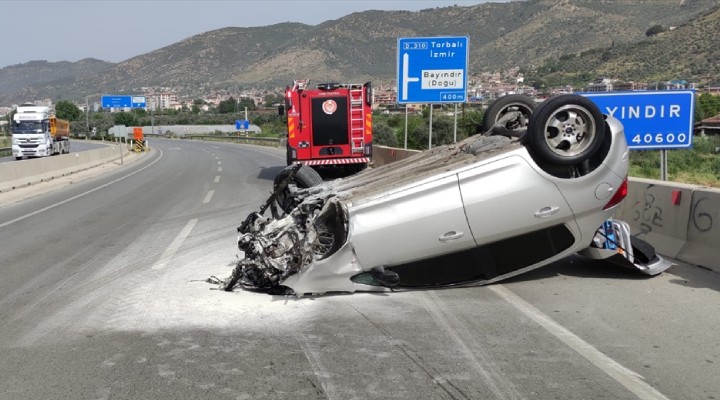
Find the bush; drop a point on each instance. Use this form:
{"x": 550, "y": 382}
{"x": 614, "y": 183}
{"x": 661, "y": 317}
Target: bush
{"x": 699, "y": 165}
{"x": 654, "y": 30}
{"x": 384, "y": 135}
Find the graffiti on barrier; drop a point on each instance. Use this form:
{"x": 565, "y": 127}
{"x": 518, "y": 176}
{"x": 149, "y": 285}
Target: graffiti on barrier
{"x": 701, "y": 219}
{"x": 647, "y": 214}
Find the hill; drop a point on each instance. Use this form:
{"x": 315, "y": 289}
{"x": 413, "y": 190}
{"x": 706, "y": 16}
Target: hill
{"x": 689, "y": 52}
{"x": 360, "y": 46}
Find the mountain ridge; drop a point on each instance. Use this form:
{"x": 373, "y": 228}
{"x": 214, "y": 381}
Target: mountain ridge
{"x": 357, "y": 47}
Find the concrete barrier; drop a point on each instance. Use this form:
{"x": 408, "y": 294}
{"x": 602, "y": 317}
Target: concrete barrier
{"x": 385, "y": 155}
{"x": 681, "y": 221}
{"x": 703, "y": 232}
{"x": 678, "y": 219}
{"x": 27, "y": 172}
{"x": 658, "y": 212}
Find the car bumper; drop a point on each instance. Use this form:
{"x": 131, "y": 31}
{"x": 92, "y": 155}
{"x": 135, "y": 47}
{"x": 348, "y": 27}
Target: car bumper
{"x": 616, "y": 245}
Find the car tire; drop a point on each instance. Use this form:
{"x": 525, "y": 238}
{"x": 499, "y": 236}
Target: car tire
{"x": 515, "y": 127}
{"x": 305, "y": 177}
{"x": 330, "y": 232}
{"x": 565, "y": 130}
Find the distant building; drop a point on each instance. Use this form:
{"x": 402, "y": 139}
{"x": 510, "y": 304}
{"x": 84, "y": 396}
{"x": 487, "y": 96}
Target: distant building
{"x": 385, "y": 98}
{"x": 708, "y": 126}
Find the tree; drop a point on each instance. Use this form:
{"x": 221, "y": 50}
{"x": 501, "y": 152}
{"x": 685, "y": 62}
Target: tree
{"x": 10, "y": 116}
{"x": 384, "y": 135}
{"x": 249, "y": 103}
{"x": 707, "y": 106}
{"x": 654, "y": 30}
{"x": 271, "y": 99}
{"x": 196, "y": 106}
{"x": 67, "y": 110}
{"x": 123, "y": 118}
{"x": 228, "y": 106}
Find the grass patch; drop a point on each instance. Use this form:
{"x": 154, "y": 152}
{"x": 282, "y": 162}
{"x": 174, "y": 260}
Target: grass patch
{"x": 699, "y": 165}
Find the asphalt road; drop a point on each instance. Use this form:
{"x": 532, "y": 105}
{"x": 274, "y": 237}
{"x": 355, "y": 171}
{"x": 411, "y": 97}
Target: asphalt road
{"x": 76, "y": 146}
{"x": 103, "y": 296}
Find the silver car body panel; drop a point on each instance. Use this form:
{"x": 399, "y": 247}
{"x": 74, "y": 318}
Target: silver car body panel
{"x": 448, "y": 200}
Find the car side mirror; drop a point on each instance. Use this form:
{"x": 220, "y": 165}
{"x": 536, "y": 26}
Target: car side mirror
{"x": 281, "y": 110}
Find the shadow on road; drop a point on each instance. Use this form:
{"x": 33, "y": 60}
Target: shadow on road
{"x": 269, "y": 173}
{"x": 578, "y": 266}
{"x": 581, "y": 267}
{"x": 696, "y": 277}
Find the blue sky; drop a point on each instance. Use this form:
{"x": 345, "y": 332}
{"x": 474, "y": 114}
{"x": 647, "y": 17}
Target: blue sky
{"x": 115, "y": 30}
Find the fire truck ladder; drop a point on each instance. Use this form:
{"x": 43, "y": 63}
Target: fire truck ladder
{"x": 357, "y": 118}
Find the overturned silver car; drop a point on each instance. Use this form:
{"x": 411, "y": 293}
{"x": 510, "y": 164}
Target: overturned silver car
{"x": 537, "y": 185}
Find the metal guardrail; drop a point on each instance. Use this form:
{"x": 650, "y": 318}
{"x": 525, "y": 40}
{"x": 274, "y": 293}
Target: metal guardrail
{"x": 263, "y": 141}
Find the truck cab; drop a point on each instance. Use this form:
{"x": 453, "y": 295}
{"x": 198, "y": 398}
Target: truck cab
{"x": 36, "y": 132}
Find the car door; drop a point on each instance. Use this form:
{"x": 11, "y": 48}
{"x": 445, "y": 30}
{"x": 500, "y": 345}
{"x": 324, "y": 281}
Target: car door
{"x": 517, "y": 213}
{"x": 417, "y": 222}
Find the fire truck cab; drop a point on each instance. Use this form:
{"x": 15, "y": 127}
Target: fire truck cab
{"x": 330, "y": 125}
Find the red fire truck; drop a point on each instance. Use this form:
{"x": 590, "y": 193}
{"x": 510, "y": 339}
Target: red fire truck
{"x": 330, "y": 125}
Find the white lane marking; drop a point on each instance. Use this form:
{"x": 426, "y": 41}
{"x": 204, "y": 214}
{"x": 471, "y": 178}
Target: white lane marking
{"x": 217, "y": 179}
{"x": 208, "y": 196}
{"x": 219, "y": 169}
{"x": 219, "y": 162}
{"x": 631, "y": 380}
{"x": 175, "y": 245}
{"x": 496, "y": 381}
{"x": 321, "y": 372}
{"x": 12, "y": 221}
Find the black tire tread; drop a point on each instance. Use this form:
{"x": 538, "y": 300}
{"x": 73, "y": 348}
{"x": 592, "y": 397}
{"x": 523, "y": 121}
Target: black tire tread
{"x": 495, "y": 108}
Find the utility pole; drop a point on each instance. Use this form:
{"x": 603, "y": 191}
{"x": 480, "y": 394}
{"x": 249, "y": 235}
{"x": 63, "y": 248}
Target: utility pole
{"x": 87, "y": 115}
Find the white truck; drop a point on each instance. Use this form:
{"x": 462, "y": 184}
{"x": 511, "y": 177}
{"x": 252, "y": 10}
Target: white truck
{"x": 36, "y": 132}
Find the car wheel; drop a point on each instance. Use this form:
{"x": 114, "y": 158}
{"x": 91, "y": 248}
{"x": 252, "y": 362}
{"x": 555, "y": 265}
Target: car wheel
{"x": 508, "y": 115}
{"x": 565, "y": 130}
{"x": 304, "y": 177}
{"x": 330, "y": 230}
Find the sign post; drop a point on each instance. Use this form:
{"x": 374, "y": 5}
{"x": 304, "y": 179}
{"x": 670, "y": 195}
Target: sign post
{"x": 653, "y": 120}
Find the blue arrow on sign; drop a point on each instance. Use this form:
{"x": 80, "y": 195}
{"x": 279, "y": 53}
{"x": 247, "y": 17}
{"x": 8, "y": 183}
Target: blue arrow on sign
{"x": 242, "y": 125}
{"x": 652, "y": 119}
